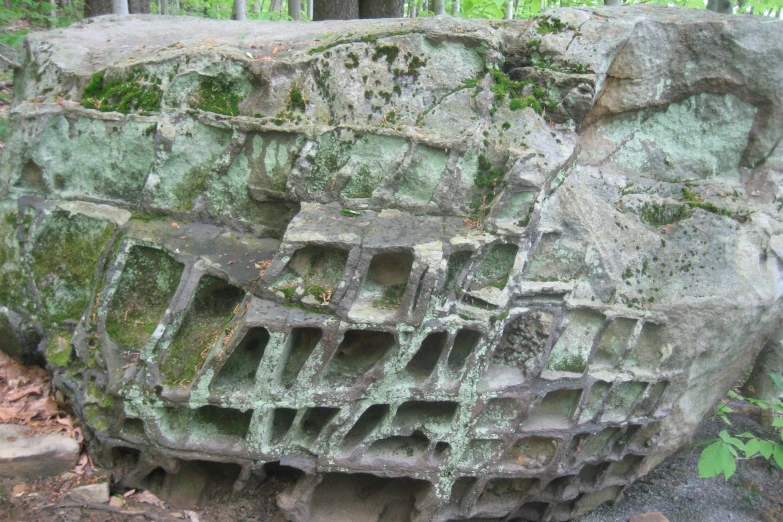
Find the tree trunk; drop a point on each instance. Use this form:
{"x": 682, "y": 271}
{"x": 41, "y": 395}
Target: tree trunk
{"x": 295, "y": 9}
{"x": 275, "y": 6}
{"x": 439, "y": 7}
{"x": 412, "y": 5}
{"x": 720, "y": 6}
{"x": 455, "y": 7}
{"x": 240, "y": 10}
{"x": 310, "y": 9}
{"x": 164, "y": 6}
{"x": 52, "y": 14}
{"x": 509, "y": 10}
{"x": 119, "y": 7}
{"x": 613, "y": 2}
{"x": 139, "y": 6}
{"x": 381, "y": 8}
{"x": 336, "y": 9}
{"x": 97, "y": 7}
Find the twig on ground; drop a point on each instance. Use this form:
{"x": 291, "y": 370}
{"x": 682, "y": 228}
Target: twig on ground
{"x": 103, "y": 507}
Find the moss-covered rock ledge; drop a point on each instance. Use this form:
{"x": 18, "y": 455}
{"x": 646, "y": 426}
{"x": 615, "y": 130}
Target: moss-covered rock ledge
{"x": 455, "y": 269}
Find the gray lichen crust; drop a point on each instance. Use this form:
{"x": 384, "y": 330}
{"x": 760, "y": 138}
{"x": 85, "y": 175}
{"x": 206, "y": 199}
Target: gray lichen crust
{"x": 448, "y": 269}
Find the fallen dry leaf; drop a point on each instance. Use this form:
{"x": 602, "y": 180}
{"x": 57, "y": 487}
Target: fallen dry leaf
{"x": 19, "y": 489}
{"x": 147, "y": 498}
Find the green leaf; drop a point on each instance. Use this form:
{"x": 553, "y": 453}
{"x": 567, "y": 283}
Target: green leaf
{"x": 777, "y": 422}
{"x": 762, "y": 404}
{"x": 724, "y": 435}
{"x": 716, "y": 459}
{"x": 765, "y": 448}
{"x": 777, "y": 454}
{"x": 350, "y": 213}
{"x": 746, "y": 435}
{"x": 752, "y": 447}
{"x": 777, "y": 380}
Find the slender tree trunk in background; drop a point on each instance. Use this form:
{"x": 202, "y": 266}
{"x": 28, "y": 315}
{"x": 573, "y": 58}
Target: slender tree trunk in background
{"x": 381, "y": 8}
{"x": 97, "y": 8}
{"x": 336, "y": 9}
{"x": 310, "y": 9}
{"x": 412, "y": 9}
{"x": 720, "y": 6}
{"x": 455, "y": 7}
{"x": 439, "y": 7}
{"x": 119, "y": 7}
{"x": 276, "y": 6}
{"x": 52, "y": 14}
{"x": 613, "y": 2}
{"x": 509, "y": 10}
{"x": 295, "y": 9}
{"x": 139, "y": 6}
{"x": 164, "y": 7}
{"x": 240, "y": 10}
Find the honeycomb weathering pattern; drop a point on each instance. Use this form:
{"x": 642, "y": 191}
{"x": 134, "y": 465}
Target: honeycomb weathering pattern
{"x": 447, "y": 269}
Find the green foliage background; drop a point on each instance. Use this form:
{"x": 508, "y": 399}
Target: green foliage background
{"x": 41, "y": 14}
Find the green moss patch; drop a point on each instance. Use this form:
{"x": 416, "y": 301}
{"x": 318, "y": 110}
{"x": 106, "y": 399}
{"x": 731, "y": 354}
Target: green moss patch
{"x": 13, "y": 281}
{"x": 391, "y": 297}
{"x": 504, "y": 87}
{"x": 552, "y": 25}
{"x": 213, "y": 307}
{"x": 660, "y": 215}
{"x": 66, "y": 254}
{"x": 147, "y": 284}
{"x": 296, "y": 102}
{"x": 332, "y": 155}
{"x": 490, "y": 181}
{"x": 495, "y": 267}
{"x": 390, "y": 52}
{"x": 138, "y": 91}
{"x": 220, "y": 94}
{"x": 58, "y": 348}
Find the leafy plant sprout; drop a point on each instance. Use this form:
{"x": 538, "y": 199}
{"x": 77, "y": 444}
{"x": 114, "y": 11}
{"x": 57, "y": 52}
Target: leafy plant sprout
{"x": 721, "y": 454}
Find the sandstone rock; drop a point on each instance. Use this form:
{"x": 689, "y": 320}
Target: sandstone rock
{"x": 25, "y": 455}
{"x": 440, "y": 269}
{"x": 94, "y": 493}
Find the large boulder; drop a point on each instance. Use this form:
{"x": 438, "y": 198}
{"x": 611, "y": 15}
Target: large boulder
{"x": 446, "y": 268}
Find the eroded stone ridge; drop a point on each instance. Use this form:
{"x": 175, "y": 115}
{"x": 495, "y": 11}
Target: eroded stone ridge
{"x": 446, "y": 269}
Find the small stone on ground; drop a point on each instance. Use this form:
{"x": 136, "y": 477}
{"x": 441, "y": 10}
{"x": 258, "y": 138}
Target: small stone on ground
{"x": 23, "y": 455}
{"x": 94, "y": 493}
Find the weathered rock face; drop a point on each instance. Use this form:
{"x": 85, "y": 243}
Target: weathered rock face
{"x": 447, "y": 269}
